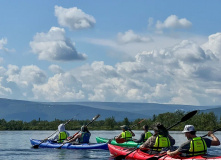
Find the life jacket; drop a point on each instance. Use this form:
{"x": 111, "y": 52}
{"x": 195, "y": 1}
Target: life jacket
{"x": 62, "y": 136}
{"x": 161, "y": 142}
{"x": 126, "y": 135}
{"x": 85, "y": 137}
{"x": 147, "y": 135}
{"x": 197, "y": 146}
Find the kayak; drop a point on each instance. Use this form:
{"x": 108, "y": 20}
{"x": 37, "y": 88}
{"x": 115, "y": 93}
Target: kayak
{"x": 51, "y": 144}
{"x": 125, "y": 144}
{"x": 133, "y": 153}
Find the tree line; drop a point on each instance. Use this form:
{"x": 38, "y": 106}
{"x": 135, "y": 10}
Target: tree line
{"x": 201, "y": 121}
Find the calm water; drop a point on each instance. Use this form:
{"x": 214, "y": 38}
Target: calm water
{"x": 16, "y": 145}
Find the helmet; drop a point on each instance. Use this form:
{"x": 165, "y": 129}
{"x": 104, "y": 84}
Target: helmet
{"x": 83, "y": 128}
{"x": 125, "y": 127}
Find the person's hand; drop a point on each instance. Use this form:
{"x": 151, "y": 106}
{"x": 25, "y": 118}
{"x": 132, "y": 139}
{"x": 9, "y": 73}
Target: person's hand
{"x": 210, "y": 133}
{"x": 45, "y": 139}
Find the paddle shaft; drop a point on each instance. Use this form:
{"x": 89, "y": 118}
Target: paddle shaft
{"x": 137, "y": 123}
{"x": 213, "y": 132}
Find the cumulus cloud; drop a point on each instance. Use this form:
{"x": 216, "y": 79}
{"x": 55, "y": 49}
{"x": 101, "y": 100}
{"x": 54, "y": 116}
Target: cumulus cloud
{"x": 56, "y": 69}
{"x": 26, "y": 76}
{"x": 185, "y": 73}
{"x": 173, "y": 22}
{"x": 74, "y": 18}
{"x": 60, "y": 87}
{"x": 4, "y": 42}
{"x": 129, "y": 37}
{"x": 54, "y": 46}
{"x": 213, "y": 45}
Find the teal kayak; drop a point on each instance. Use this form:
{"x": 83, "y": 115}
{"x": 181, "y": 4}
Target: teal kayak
{"x": 125, "y": 144}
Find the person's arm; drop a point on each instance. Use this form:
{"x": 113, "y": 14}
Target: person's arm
{"x": 132, "y": 132}
{"x": 142, "y": 136}
{"x": 149, "y": 142}
{"x": 173, "y": 153}
{"x": 116, "y": 137}
{"x": 215, "y": 141}
{"x": 53, "y": 138}
{"x": 75, "y": 137}
{"x": 172, "y": 140}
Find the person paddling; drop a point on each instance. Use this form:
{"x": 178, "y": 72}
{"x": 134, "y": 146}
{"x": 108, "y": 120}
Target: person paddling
{"x": 126, "y": 133}
{"x": 144, "y": 136}
{"x": 195, "y": 145}
{"x": 161, "y": 139}
{"x": 81, "y": 137}
{"x": 61, "y": 135}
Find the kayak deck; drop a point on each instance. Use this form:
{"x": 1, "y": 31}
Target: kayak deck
{"x": 125, "y": 144}
{"x": 50, "y": 144}
{"x": 133, "y": 153}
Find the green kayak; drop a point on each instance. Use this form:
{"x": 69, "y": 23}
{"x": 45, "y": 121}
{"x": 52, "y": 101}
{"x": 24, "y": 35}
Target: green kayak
{"x": 125, "y": 144}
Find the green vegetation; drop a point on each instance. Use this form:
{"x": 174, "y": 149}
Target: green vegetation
{"x": 201, "y": 121}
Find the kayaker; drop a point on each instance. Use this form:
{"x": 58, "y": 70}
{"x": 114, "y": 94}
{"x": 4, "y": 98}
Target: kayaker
{"x": 82, "y": 137}
{"x": 145, "y": 135}
{"x": 126, "y": 133}
{"x": 160, "y": 139}
{"x": 195, "y": 145}
{"x": 61, "y": 135}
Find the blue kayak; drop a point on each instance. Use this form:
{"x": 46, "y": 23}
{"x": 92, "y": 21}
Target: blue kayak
{"x": 51, "y": 144}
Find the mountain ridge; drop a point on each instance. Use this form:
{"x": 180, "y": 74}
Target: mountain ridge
{"x": 28, "y": 110}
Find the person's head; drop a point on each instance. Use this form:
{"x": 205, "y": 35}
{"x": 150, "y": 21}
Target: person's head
{"x": 61, "y": 127}
{"x": 189, "y": 131}
{"x": 145, "y": 127}
{"x": 84, "y": 128}
{"x": 124, "y": 127}
{"x": 160, "y": 129}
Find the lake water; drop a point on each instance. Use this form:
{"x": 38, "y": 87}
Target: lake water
{"x": 16, "y": 145}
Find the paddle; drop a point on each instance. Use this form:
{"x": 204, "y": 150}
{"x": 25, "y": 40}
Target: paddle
{"x": 96, "y": 117}
{"x": 185, "y": 118}
{"x": 121, "y": 140}
{"x": 37, "y": 145}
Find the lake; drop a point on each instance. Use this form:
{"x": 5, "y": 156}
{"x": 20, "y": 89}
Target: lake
{"x": 16, "y": 145}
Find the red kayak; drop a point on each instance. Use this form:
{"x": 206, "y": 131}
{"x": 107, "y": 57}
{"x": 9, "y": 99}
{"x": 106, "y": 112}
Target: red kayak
{"x": 131, "y": 153}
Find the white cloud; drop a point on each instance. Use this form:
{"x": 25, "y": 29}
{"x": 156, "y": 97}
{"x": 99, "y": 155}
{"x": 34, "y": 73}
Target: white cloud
{"x": 129, "y": 37}
{"x": 54, "y": 46}
{"x": 4, "y": 42}
{"x": 26, "y": 76}
{"x": 213, "y": 45}
{"x": 74, "y": 18}
{"x": 60, "y": 87}
{"x": 185, "y": 73}
{"x": 173, "y": 22}
{"x": 56, "y": 69}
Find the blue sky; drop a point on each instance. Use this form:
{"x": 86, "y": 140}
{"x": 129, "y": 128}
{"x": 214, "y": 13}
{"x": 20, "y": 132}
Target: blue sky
{"x": 116, "y": 51}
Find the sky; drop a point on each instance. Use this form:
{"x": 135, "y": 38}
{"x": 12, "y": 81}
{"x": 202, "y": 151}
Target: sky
{"x": 149, "y": 51}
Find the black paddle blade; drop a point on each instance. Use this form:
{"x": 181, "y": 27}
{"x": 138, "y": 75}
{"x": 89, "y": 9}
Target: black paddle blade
{"x": 119, "y": 157}
{"x": 188, "y": 116}
{"x": 35, "y": 146}
{"x": 153, "y": 158}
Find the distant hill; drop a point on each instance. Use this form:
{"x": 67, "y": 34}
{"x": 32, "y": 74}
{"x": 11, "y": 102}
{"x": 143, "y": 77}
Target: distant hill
{"x": 27, "y": 110}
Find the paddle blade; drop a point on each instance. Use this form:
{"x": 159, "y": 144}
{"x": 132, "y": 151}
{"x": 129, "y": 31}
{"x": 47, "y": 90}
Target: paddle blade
{"x": 35, "y": 146}
{"x": 188, "y": 116}
{"x": 120, "y": 140}
{"x": 96, "y": 117}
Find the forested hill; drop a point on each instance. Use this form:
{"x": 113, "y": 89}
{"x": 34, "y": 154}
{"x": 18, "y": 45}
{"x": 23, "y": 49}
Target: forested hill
{"x": 27, "y": 110}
